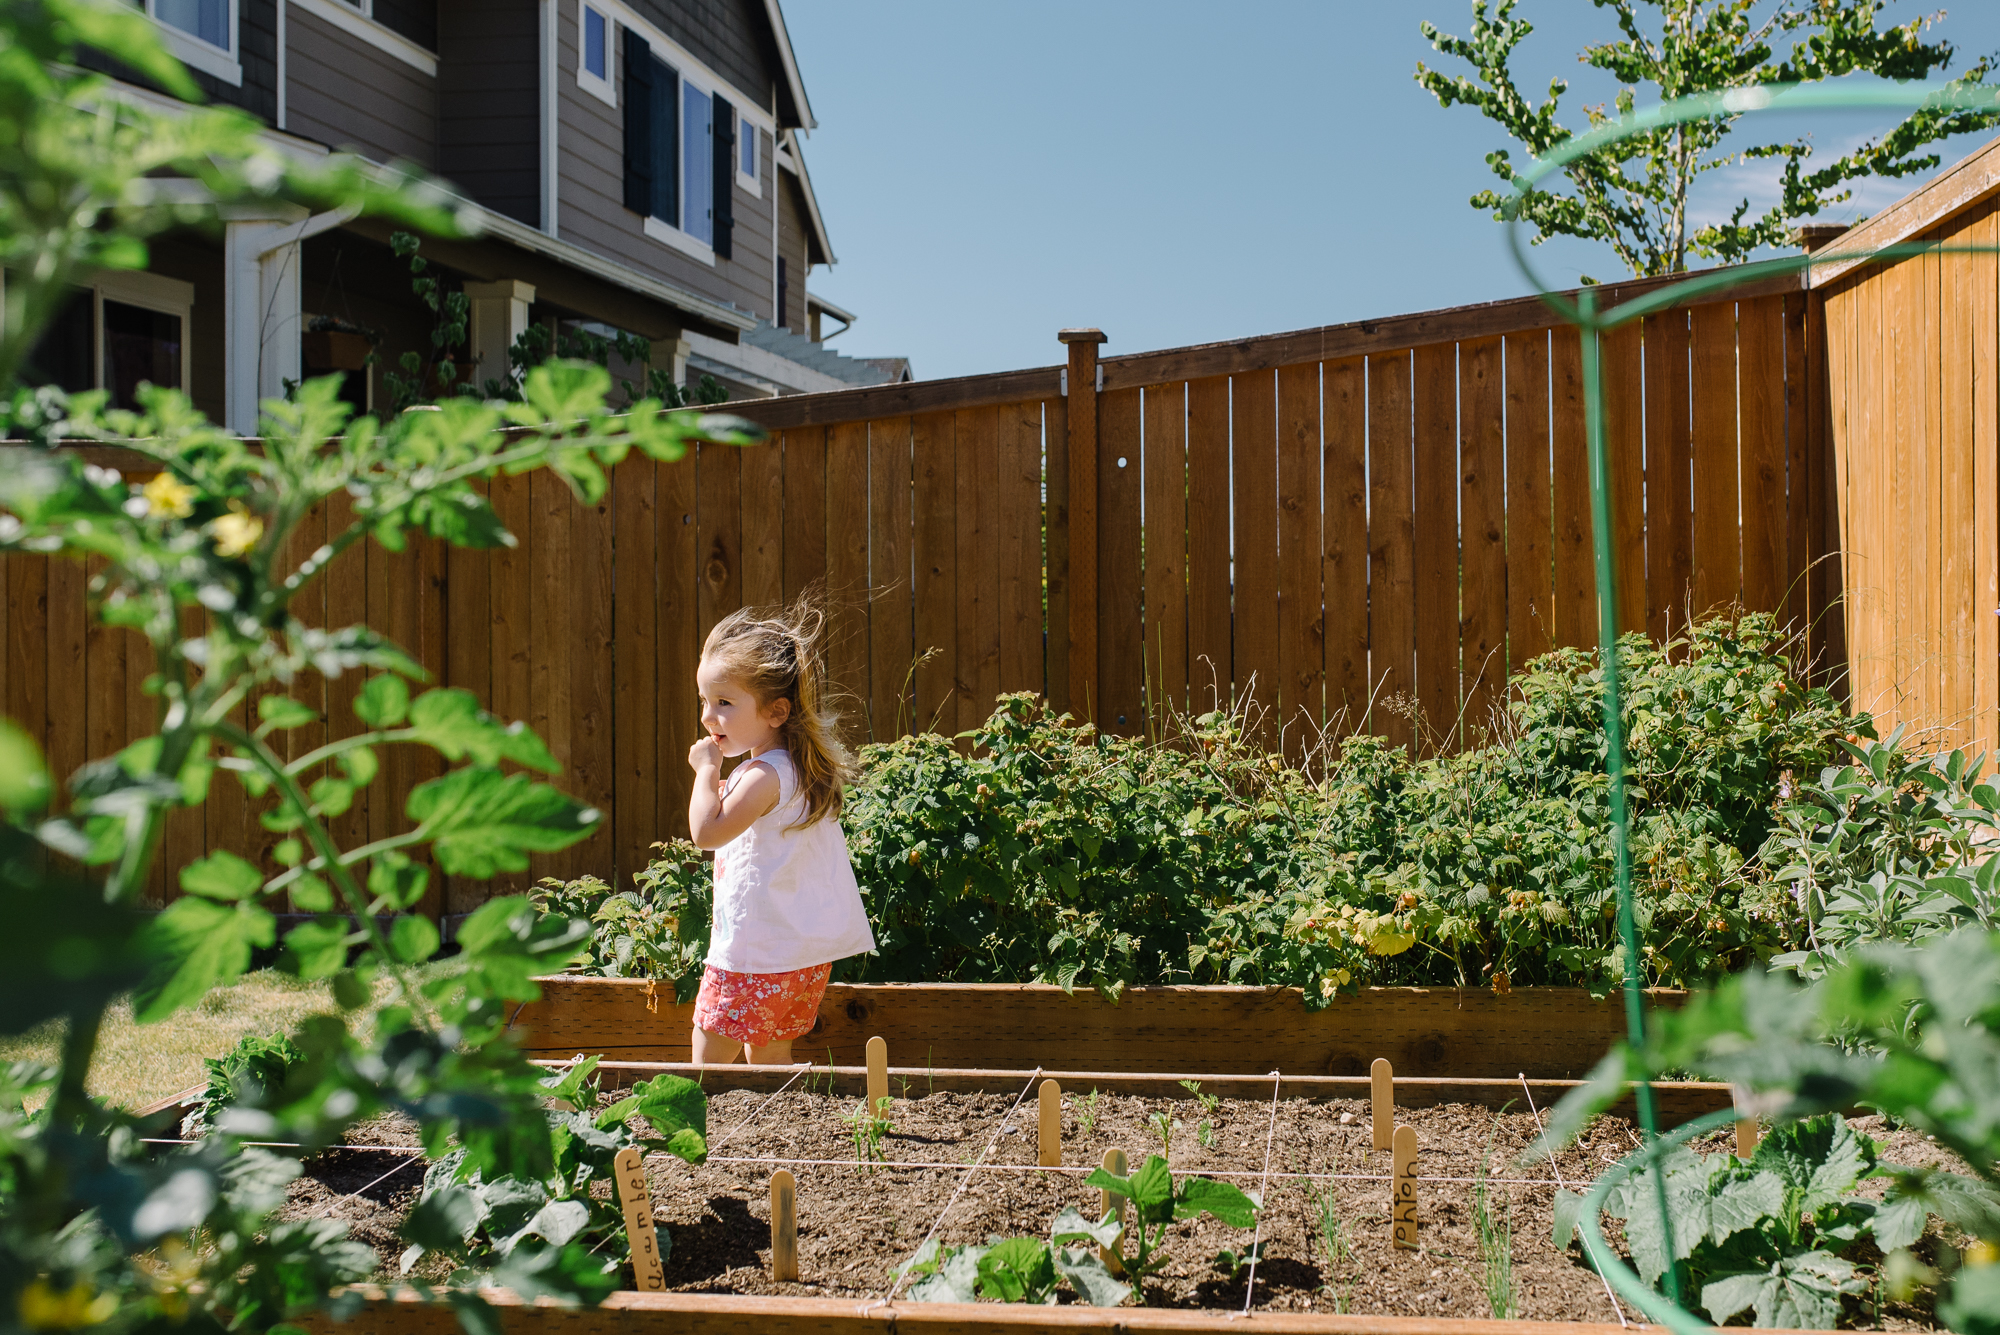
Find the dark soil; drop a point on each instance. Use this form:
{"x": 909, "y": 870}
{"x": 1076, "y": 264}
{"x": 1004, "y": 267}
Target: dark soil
{"x": 855, "y": 1227}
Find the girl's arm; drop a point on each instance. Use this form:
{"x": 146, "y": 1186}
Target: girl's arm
{"x": 713, "y": 820}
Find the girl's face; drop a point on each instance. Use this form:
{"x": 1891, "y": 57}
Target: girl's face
{"x": 732, "y": 716}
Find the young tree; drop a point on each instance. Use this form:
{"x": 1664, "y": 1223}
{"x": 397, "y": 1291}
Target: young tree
{"x": 1634, "y": 194}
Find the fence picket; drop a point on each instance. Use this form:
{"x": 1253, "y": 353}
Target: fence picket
{"x": 847, "y": 574}
{"x": 1164, "y": 480}
{"x": 889, "y": 613}
{"x": 1623, "y": 357}
{"x": 1437, "y": 563}
{"x": 1254, "y": 455}
{"x": 978, "y": 434}
{"x": 1344, "y": 541}
{"x": 1301, "y": 628}
{"x": 1765, "y": 535}
{"x": 934, "y": 464}
{"x": 1715, "y": 490}
{"x": 1392, "y": 632}
{"x": 1482, "y": 502}
{"x": 1208, "y": 569}
{"x": 1530, "y": 517}
{"x": 636, "y": 665}
{"x": 1018, "y": 558}
{"x": 1121, "y": 636}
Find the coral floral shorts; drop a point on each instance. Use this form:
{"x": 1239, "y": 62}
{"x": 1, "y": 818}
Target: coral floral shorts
{"x": 758, "y": 1009}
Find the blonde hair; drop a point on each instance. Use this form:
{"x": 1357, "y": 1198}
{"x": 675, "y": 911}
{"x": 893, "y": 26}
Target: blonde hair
{"x": 776, "y": 652}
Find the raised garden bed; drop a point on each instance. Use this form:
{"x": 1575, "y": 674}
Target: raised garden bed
{"x": 1542, "y": 1032}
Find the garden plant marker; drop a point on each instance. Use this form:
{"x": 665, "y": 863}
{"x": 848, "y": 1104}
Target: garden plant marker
{"x": 1048, "y": 1134}
{"x": 1382, "y": 1098}
{"x": 1748, "y": 1133}
{"x": 1591, "y": 324}
{"x": 1107, "y": 1201}
{"x": 1403, "y": 1200}
{"x": 648, "y": 1275}
{"x": 878, "y": 1071}
{"x": 784, "y": 1226}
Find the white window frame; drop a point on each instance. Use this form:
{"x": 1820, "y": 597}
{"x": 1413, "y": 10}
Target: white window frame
{"x": 674, "y": 237}
{"x": 605, "y": 89}
{"x": 196, "y": 54}
{"x": 363, "y": 24}
{"x": 751, "y": 183}
{"x": 149, "y": 292}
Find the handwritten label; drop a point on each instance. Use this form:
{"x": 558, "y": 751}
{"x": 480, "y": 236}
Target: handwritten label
{"x": 636, "y": 1197}
{"x": 1403, "y": 1231}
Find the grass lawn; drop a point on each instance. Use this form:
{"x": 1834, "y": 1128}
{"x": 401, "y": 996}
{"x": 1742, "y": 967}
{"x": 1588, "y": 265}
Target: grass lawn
{"x": 137, "y": 1065}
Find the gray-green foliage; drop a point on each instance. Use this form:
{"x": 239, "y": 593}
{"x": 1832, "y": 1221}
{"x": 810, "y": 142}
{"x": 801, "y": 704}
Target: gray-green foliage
{"x": 1010, "y": 1270}
{"x": 257, "y": 1064}
{"x": 1913, "y": 1031}
{"x": 480, "y": 1221}
{"x": 1635, "y": 194}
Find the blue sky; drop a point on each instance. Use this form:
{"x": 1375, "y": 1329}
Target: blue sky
{"x": 1175, "y": 172}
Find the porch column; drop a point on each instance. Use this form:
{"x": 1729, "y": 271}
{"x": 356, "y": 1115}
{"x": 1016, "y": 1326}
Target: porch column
{"x": 670, "y": 354}
{"x": 498, "y": 315}
{"x": 261, "y": 304}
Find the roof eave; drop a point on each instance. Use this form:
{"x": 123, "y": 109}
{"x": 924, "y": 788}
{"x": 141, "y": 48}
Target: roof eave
{"x": 794, "y": 84}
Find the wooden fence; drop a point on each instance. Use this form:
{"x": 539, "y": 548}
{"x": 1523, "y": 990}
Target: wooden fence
{"x": 1364, "y": 526}
{"x": 1913, "y": 363}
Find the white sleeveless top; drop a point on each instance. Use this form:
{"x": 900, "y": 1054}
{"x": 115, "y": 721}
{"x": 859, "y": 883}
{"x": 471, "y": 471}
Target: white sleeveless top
{"x": 785, "y": 899}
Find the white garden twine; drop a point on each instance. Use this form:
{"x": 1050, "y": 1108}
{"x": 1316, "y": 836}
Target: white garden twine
{"x": 1263, "y": 1194}
{"x": 1557, "y": 1170}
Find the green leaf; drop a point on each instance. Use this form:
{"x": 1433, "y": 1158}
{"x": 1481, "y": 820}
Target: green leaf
{"x": 383, "y": 702}
{"x": 1819, "y": 1160}
{"x": 198, "y": 945}
{"x": 316, "y": 949}
{"x": 1972, "y": 1302}
{"x": 1153, "y": 1189}
{"x": 1087, "y": 1275}
{"x": 1569, "y": 1217}
{"x": 412, "y": 940}
{"x": 1072, "y": 1225}
{"x": 331, "y": 796}
{"x": 221, "y": 875}
{"x": 482, "y": 822}
{"x": 396, "y": 880}
{"x": 1200, "y": 1195}
{"x": 24, "y": 779}
{"x": 451, "y": 721}
{"x": 672, "y": 1103}
{"x": 1801, "y": 1291}
{"x": 281, "y": 712}
{"x": 311, "y": 894}
{"x": 360, "y": 765}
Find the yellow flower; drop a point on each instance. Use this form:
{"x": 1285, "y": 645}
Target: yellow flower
{"x": 236, "y": 532}
{"x": 42, "y": 1308}
{"x": 1981, "y": 1254}
{"x": 167, "y": 497}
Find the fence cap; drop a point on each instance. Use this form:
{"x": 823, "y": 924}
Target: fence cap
{"x": 1080, "y": 335}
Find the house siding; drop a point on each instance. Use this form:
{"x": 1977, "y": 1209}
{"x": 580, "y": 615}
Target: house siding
{"x": 348, "y": 94}
{"x": 792, "y": 225}
{"x": 257, "y": 42}
{"x": 592, "y": 213}
{"x": 414, "y": 19}
{"x": 490, "y": 121}
{"x": 730, "y": 36}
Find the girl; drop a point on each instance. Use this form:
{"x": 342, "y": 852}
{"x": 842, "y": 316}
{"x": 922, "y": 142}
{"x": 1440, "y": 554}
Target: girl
{"x": 786, "y": 904}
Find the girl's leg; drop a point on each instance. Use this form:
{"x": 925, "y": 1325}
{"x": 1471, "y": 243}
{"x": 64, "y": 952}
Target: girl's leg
{"x": 778, "y": 1053}
{"x": 715, "y": 1049}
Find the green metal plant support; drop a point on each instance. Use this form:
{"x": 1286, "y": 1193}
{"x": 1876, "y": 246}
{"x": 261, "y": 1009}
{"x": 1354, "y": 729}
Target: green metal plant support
{"x": 1592, "y": 323}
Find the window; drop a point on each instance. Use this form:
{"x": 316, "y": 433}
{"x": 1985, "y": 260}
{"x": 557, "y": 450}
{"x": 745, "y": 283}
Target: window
{"x": 680, "y": 154}
{"x": 129, "y": 330}
{"x": 593, "y": 43}
{"x": 201, "y": 32}
{"x": 746, "y": 157}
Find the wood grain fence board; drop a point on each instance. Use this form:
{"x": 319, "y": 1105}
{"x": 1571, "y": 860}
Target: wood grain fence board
{"x": 469, "y": 648}
{"x": 592, "y": 775}
{"x": 1825, "y": 513}
{"x": 793, "y": 411}
{"x": 1669, "y": 447}
{"x": 1796, "y": 416}
{"x": 1983, "y": 283}
{"x": 1574, "y": 598}
{"x": 1901, "y": 403}
{"x": 1209, "y": 652}
{"x": 1530, "y": 513}
{"x": 1622, "y": 362}
{"x": 1871, "y": 494}
{"x": 763, "y": 525}
{"x": 1301, "y": 627}
{"x": 1922, "y": 534}
{"x": 978, "y": 527}
{"x": 718, "y": 481}
{"x": 1860, "y": 368}
{"x": 101, "y": 673}
{"x": 309, "y": 687}
{"x": 1930, "y": 348}
{"x": 345, "y": 600}
{"x": 637, "y": 667}
{"x": 1121, "y": 639}
{"x": 1165, "y": 485}
{"x": 1764, "y": 538}
{"x": 1392, "y": 634}
{"x": 553, "y": 679}
{"x": 890, "y": 633}
{"x": 1436, "y": 567}
{"x": 1715, "y": 495}
{"x": 679, "y": 620}
{"x": 1055, "y": 548}
{"x": 27, "y": 650}
{"x": 847, "y": 574}
{"x": 934, "y": 449}
{"x": 1956, "y": 527}
{"x": 68, "y": 685}
{"x": 184, "y": 837}
{"x": 1254, "y": 462}
{"x": 1833, "y": 355}
{"x": 1344, "y": 540}
{"x": 1019, "y": 558}
{"x": 1482, "y": 501}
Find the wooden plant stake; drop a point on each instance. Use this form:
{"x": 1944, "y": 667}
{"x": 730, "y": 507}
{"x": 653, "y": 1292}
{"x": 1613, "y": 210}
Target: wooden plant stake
{"x": 784, "y": 1227}
{"x": 1382, "y": 1094}
{"x": 1048, "y": 1135}
{"x": 1748, "y": 1133}
{"x": 648, "y": 1275}
{"x": 1114, "y": 1164}
{"x": 1403, "y": 1231}
{"x": 878, "y": 1073}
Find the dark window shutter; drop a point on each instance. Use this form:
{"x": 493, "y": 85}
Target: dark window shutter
{"x": 638, "y": 124}
{"x": 725, "y": 176}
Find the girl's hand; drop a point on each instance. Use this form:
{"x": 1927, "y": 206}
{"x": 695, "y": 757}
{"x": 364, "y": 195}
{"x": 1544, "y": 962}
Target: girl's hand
{"x": 705, "y": 754}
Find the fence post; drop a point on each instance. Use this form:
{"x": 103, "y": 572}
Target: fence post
{"x": 1081, "y": 420}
